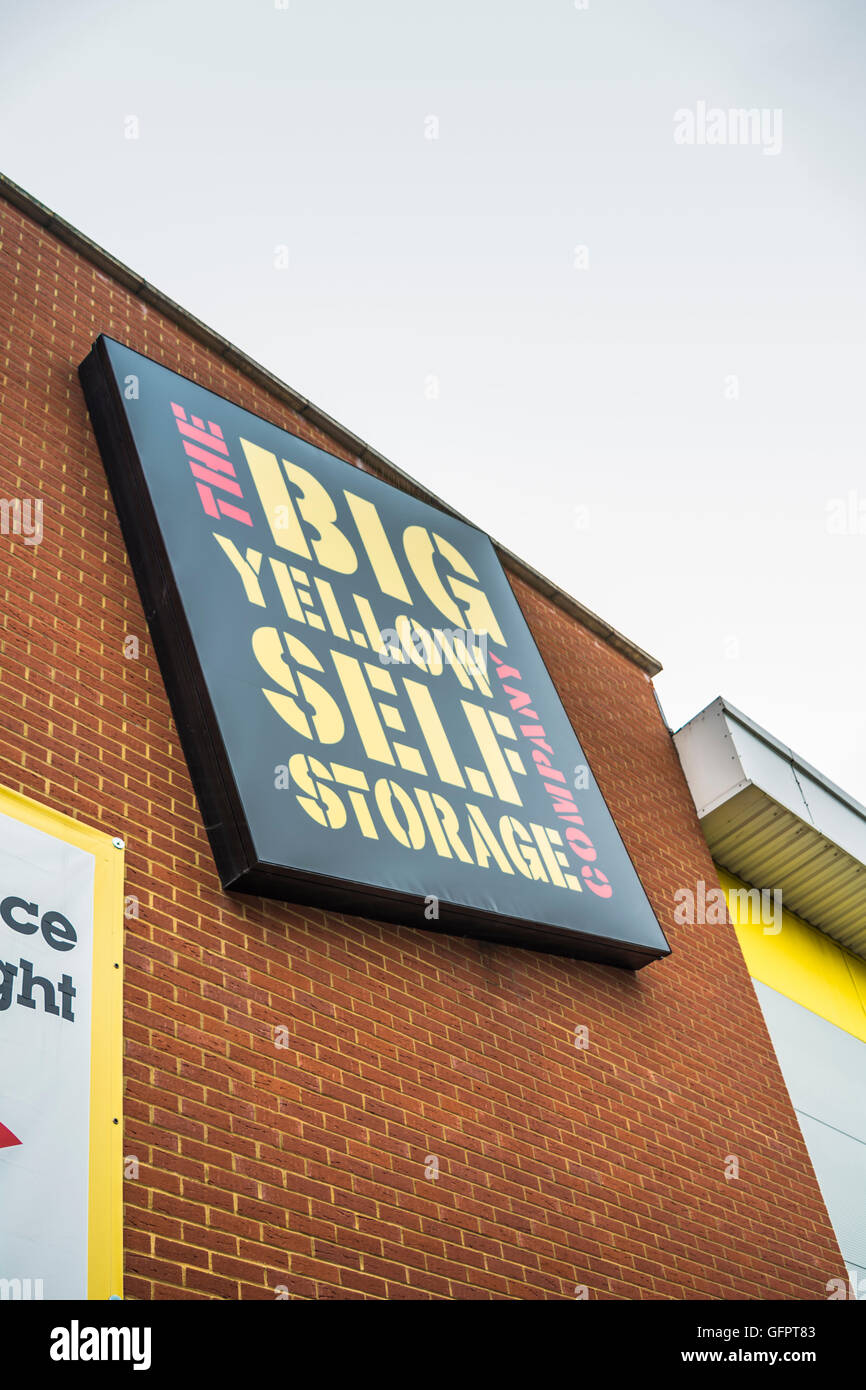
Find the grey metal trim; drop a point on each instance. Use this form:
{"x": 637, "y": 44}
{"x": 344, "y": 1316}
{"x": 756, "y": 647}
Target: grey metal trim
{"x": 793, "y": 758}
{"x": 773, "y": 820}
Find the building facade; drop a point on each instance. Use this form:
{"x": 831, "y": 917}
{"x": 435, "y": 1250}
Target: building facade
{"x": 317, "y": 1104}
{"x": 790, "y": 851}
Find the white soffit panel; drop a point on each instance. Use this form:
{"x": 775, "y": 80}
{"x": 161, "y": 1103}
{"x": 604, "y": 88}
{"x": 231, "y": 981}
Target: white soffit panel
{"x": 776, "y": 822}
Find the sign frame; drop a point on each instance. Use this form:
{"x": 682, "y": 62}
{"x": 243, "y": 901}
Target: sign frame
{"x": 241, "y": 869}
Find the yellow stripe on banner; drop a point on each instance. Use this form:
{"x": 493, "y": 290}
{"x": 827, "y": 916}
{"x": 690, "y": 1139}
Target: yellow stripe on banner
{"x": 799, "y": 961}
{"x": 105, "y": 1203}
{"x": 105, "y": 1246}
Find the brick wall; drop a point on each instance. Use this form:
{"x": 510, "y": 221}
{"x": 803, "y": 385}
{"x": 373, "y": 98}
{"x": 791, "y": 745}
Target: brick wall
{"x": 305, "y": 1167}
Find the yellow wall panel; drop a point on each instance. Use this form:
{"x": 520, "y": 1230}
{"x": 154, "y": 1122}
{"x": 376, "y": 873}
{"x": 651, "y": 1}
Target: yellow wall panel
{"x": 801, "y": 962}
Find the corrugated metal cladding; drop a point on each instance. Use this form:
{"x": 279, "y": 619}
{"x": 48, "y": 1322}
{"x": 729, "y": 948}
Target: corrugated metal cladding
{"x": 760, "y": 841}
{"x": 771, "y": 819}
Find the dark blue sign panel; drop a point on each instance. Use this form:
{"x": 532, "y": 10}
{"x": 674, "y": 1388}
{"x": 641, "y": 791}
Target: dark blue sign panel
{"x": 368, "y": 722}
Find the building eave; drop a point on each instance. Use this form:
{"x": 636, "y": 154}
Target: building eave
{"x": 773, "y": 820}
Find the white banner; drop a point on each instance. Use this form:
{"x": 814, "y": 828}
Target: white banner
{"x": 47, "y": 930}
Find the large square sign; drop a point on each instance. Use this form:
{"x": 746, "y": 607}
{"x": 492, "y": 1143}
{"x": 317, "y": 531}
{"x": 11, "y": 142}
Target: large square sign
{"x": 367, "y": 719}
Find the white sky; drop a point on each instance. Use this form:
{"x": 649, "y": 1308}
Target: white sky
{"x": 583, "y": 415}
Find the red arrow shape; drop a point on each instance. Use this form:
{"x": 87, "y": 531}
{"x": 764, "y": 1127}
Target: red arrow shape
{"x": 7, "y": 1138}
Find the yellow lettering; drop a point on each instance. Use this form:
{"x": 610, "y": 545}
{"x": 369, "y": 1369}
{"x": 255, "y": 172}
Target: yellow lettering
{"x": 500, "y": 774}
{"x": 318, "y": 510}
{"x": 441, "y": 816}
{"x": 304, "y": 771}
{"x": 387, "y": 792}
{"x": 523, "y": 856}
{"x": 248, "y": 568}
{"x": 378, "y": 547}
{"x": 327, "y": 721}
{"x": 363, "y": 708}
{"x": 277, "y": 505}
{"x": 357, "y": 783}
{"x": 479, "y": 614}
{"x": 420, "y": 549}
{"x": 484, "y": 841}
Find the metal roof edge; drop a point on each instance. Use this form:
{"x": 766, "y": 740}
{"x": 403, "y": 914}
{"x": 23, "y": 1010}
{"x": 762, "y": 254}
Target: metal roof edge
{"x": 365, "y": 453}
{"x": 783, "y": 749}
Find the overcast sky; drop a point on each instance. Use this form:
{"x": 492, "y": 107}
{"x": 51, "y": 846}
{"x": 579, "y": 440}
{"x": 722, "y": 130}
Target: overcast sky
{"x": 479, "y": 234}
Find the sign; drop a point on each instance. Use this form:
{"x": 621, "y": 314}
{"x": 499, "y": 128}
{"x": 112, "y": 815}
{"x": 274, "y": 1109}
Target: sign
{"x": 368, "y": 722}
{"x": 61, "y": 922}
